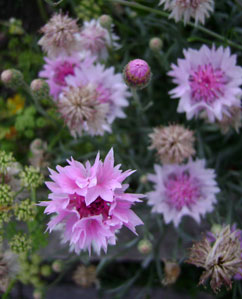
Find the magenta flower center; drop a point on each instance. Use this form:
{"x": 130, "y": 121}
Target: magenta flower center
{"x": 182, "y": 190}
{"x": 63, "y": 70}
{"x": 207, "y": 84}
{"x": 98, "y": 207}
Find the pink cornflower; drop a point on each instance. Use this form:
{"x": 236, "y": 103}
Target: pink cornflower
{"x": 181, "y": 190}
{"x": 57, "y": 69}
{"x": 59, "y": 35}
{"x": 91, "y": 203}
{"x": 96, "y": 39}
{"x": 110, "y": 87}
{"x": 187, "y": 9}
{"x": 208, "y": 80}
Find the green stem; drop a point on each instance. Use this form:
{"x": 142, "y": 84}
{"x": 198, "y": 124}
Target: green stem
{"x": 37, "y": 105}
{"x": 33, "y": 194}
{"x": 11, "y": 285}
{"x": 42, "y": 10}
{"x": 164, "y": 14}
{"x": 18, "y": 192}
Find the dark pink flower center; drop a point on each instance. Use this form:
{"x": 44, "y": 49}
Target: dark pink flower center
{"x": 182, "y": 190}
{"x": 63, "y": 70}
{"x": 207, "y": 84}
{"x": 98, "y": 207}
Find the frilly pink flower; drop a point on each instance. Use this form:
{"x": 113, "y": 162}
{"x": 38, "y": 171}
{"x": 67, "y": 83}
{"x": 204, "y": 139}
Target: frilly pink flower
{"x": 91, "y": 202}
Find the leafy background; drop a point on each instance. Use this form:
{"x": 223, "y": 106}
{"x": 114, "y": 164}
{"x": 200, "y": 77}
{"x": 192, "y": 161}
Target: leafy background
{"x": 135, "y": 26}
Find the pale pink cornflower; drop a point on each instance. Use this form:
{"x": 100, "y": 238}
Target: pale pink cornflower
{"x": 91, "y": 203}
{"x": 207, "y": 80}
{"x": 96, "y": 39}
{"x": 187, "y": 9}
{"x": 183, "y": 190}
{"x": 57, "y": 69}
{"x": 173, "y": 143}
{"x": 59, "y": 35}
{"x": 81, "y": 111}
{"x": 110, "y": 87}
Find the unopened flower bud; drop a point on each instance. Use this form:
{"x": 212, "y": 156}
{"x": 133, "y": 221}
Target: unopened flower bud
{"x": 145, "y": 246}
{"x": 45, "y": 270}
{"x": 105, "y": 21}
{"x": 37, "y": 294}
{"x": 172, "y": 272}
{"x": 40, "y": 88}
{"x": 12, "y": 78}
{"x": 216, "y": 228}
{"x": 155, "y": 44}
{"x": 143, "y": 179}
{"x": 137, "y": 73}
{"x": 57, "y": 266}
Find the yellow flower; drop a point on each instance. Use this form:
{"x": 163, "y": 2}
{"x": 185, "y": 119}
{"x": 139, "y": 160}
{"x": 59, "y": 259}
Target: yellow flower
{"x": 15, "y": 104}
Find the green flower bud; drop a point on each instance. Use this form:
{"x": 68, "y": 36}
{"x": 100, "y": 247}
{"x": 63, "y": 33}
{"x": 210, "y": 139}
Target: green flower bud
{"x": 155, "y": 44}
{"x": 57, "y": 266}
{"x": 105, "y": 21}
{"x": 31, "y": 177}
{"x": 36, "y": 259}
{"x": 25, "y": 210}
{"x": 45, "y": 270}
{"x": 6, "y": 195}
{"x": 12, "y": 78}
{"x": 20, "y": 243}
{"x": 145, "y": 246}
{"x": 6, "y": 159}
{"x": 40, "y": 88}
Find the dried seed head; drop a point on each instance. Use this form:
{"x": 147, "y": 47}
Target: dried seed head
{"x": 220, "y": 259}
{"x": 173, "y": 143}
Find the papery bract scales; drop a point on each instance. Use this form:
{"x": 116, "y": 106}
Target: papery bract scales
{"x": 91, "y": 202}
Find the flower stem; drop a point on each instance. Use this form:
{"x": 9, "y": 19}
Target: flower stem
{"x": 164, "y": 14}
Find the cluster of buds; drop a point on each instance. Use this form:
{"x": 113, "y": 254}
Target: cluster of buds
{"x": 31, "y": 178}
{"x": 6, "y": 159}
{"x": 25, "y": 210}
{"x": 20, "y": 243}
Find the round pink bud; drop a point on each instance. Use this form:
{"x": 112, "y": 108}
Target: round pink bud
{"x": 144, "y": 246}
{"x": 40, "y": 88}
{"x": 12, "y": 78}
{"x": 105, "y": 21}
{"x": 137, "y": 73}
{"x": 6, "y": 76}
{"x": 155, "y": 44}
